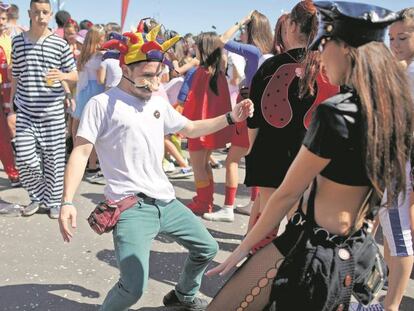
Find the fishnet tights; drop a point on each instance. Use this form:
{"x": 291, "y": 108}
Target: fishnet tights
{"x": 250, "y": 287}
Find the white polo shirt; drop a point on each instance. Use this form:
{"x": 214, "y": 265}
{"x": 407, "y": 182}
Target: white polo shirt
{"x": 128, "y": 135}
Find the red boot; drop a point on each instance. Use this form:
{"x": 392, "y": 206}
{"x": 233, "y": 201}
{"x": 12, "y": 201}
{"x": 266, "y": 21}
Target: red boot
{"x": 202, "y": 202}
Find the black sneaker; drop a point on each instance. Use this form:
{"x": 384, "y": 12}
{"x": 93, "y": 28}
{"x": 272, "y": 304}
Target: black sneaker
{"x": 171, "y": 300}
{"x": 31, "y": 209}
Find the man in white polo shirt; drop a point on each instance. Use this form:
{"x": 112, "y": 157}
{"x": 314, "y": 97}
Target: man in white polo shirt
{"x": 127, "y": 126}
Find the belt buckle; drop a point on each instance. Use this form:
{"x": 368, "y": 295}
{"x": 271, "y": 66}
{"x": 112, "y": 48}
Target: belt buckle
{"x": 297, "y": 219}
{"x": 325, "y": 235}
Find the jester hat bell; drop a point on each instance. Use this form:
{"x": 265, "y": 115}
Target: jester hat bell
{"x": 139, "y": 46}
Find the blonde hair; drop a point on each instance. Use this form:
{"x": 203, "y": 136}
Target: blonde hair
{"x": 260, "y": 33}
{"x": 91, "y": 45}
{"x": 407, "y": 17}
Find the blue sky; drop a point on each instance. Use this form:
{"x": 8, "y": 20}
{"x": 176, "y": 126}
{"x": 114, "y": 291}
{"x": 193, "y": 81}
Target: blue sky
{"x": 183, "y": 15}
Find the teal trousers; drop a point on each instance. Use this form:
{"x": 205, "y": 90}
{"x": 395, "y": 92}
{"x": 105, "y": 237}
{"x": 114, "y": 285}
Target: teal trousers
{"x": 133, "y": 236}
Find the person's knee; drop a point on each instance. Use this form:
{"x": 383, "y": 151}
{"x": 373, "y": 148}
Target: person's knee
{"x": 206, "y": 252}
{"x": 230, "y": 161}
{"x": 211, "y": 249}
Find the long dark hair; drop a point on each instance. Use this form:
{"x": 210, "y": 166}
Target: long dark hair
{"x": 210, "y": 56}
{"x": 304, "y": 15}
{"x": 259, "y": 33}
{"x": 387, "y": 112}
{"x": 278, "y": 44}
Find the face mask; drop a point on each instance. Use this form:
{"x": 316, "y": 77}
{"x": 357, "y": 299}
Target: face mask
{"x": 151, "y": 85}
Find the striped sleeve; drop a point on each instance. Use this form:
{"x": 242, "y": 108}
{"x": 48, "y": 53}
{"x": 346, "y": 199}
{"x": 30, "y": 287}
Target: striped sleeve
{"x": 67, "y": 60}
{"x": 16, "y": 61}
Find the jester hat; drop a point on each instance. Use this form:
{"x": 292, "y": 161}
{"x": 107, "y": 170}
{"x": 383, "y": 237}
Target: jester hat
{"x": 139, "y": 46}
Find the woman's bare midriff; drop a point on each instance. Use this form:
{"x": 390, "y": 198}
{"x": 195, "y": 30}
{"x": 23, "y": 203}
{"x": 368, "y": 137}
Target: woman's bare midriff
{"x": 337, "y": 205}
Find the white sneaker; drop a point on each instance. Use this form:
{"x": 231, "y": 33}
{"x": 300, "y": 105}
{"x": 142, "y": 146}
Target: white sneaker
{"x": 225, "y": 214}
{"x": 245, "y": 209}
{"x": 168, "y": 166}
{"x": 181, "y": 173}
{"x": 97, "y": 178}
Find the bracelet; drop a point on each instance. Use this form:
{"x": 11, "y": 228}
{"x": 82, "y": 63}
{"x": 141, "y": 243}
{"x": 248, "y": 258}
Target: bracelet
{"x": 67, "y": 203}
{"x": 68, "y": 96}
{"x": 229, "y": 118}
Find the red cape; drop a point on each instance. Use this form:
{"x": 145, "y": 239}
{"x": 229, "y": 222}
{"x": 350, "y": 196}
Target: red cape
{"x": 202, "y": 103}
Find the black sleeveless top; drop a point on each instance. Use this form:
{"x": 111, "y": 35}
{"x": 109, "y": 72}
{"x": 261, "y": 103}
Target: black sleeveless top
{"x": 336, "y": 133}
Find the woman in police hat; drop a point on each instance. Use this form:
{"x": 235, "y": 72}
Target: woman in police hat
{"x": 358, "y": 140}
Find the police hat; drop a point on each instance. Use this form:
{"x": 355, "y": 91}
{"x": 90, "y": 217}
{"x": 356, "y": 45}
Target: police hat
{"x": 354, "y": 23}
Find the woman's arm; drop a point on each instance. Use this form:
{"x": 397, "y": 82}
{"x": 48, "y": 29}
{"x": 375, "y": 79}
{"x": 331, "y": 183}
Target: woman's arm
{"x": 225, "y": 37}
{"x": 249, "y": 52}
{"x": 185, "y": 68}
{"x": 303, "y": 170}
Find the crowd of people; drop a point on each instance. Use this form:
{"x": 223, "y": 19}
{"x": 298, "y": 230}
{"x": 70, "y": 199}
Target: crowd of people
{"x": 320, "y": 108}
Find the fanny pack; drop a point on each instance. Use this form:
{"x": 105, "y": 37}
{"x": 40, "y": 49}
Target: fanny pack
{"x": 105, "y": 215}
{"x": 324, "y": 269}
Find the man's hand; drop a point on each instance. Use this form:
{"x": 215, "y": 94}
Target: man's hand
{"x": 242, "y": 110}
{"x": 56, "y": 75}
{"x": 67, "y": 215}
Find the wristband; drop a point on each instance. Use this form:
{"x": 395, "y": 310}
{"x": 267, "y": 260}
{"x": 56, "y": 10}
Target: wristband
{"x": 229, "y": 118}
{"x": 67, "y": 203}
{"x": 68, "y": 96}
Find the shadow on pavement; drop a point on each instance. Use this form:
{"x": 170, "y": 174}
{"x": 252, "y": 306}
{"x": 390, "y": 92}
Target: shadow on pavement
{"x": 407, "y": 304}
{"x": 95, "y": 198}
{"x": 159, "y": 309}
{"x": 41, "y": 297}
